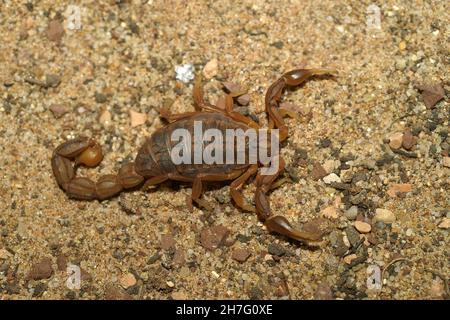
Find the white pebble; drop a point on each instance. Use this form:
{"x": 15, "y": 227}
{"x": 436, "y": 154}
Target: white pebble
{"x": 185, "y": 73}
{"x": 331, "y": 178}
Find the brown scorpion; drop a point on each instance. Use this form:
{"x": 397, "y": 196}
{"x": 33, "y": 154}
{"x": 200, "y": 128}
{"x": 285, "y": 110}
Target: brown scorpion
{"x": 153, "y": 163}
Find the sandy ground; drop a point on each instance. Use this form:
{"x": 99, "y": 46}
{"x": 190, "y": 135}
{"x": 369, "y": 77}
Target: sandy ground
{"x": 368, "y": 130}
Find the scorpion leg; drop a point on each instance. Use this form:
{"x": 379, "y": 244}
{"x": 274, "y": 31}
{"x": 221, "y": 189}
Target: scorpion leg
{"x": 169, "y": 117}
{"x": 237, "y": 184}
{"x": 198, "y": 182}
{"x": 197, "y": 189}
{"x": 236, "y": 115}
{"x": 273, "y": 95}
{"x": 278, "y": 224}
{"x": 154, "y": 181}
{"x": 87, "y": 152}
{"x": 200, "y": 103}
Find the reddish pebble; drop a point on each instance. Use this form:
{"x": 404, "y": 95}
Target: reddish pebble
{"x": 240, "y": 255}
{"x": 41, "y": 270}
{"x": 231, "y": 87}
{"x": 178, "y": 257}
{"x": 408, "y": 140}
{"x": 55, "y": 31}
{"x": 114, "y": 293}
{"x": 432, "y": 94}
{"x": 244, "y": 99}
{"x": 399, "y": 188}
{"x": 213, "y": 237}
{"x": 318, "y": 172}
{"x": 61, "y": 262}
{"x": 167, "y": 241}
{"x": 58, "y": 110}
{"x": 396, "y": 140}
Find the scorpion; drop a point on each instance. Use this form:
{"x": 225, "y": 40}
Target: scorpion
{"x": 152, "y": 165}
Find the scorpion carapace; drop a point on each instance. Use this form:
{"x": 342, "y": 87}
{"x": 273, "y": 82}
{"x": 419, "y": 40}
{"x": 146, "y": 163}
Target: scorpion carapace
{"x": 153, "y": 163}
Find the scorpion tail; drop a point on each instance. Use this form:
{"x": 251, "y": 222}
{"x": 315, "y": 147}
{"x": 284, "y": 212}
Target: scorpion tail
{"x": 87, "y": 152}
{"x": 273, "y": 94}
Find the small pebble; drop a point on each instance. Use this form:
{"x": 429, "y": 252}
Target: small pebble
{"x": 231, "y": 87}
{"x": 331, "y": 178}
{"x": 362, "y": 227}
{"x": 384, "y": 215}
{"x": 240, "y": 255}
{"x": 137, "y": 118}
{"x": 409, "y": 232}
{"x": 213, "y": 237}
{"x": 4, "y": 254}
{"x": 318, "y": 172}
{"x": 100, "y": 97}
{"x": 352, "y": 235}
{"x": 167, "y": 241}
{"x": 114, "y": 293}
{"x": 330, "y": 212}
{"x": 185, "y": 73}
{"x": 399, "y": 188}
{"x": 351, "y": 213}
{"x": 127, "y": 280}
{"x": 268, "y": 257}
{"x": 396, "y": 140}
{"x": 52, "y": 80}
{"x": 278, "y": 44}
{"x": 243, "y": 100}
{"x": 408, "y": 140}
{"x": 445, "y": 224}
{"x": 41, "y": 270}
{"x": 401, "y": 64}
{"x": 446, "y": 162}
{"x": 276, "y": 249}
{"x": 55, "y": 31}
{"x": 330, "y": 165}
{"x": 347, "y": 241}
{"x": 179, "y": 257}
{"x": 325, "y": 143}
{"x": 58, "y": 110}
{"x": 348, "y": 259}
{"x": 432, "y": 94}
{"x": 105, "y": 117}
{"x": 178, "y": 296}
{"x": 211, "y": 69}
{"x": 61, "y": 262}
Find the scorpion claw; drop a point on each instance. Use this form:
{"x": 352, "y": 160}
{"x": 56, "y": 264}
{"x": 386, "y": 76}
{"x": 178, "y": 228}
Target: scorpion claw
{"x": 91, "y": 156}
{"x": 281, "y": 225}
{"x": 72, "y": 148}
